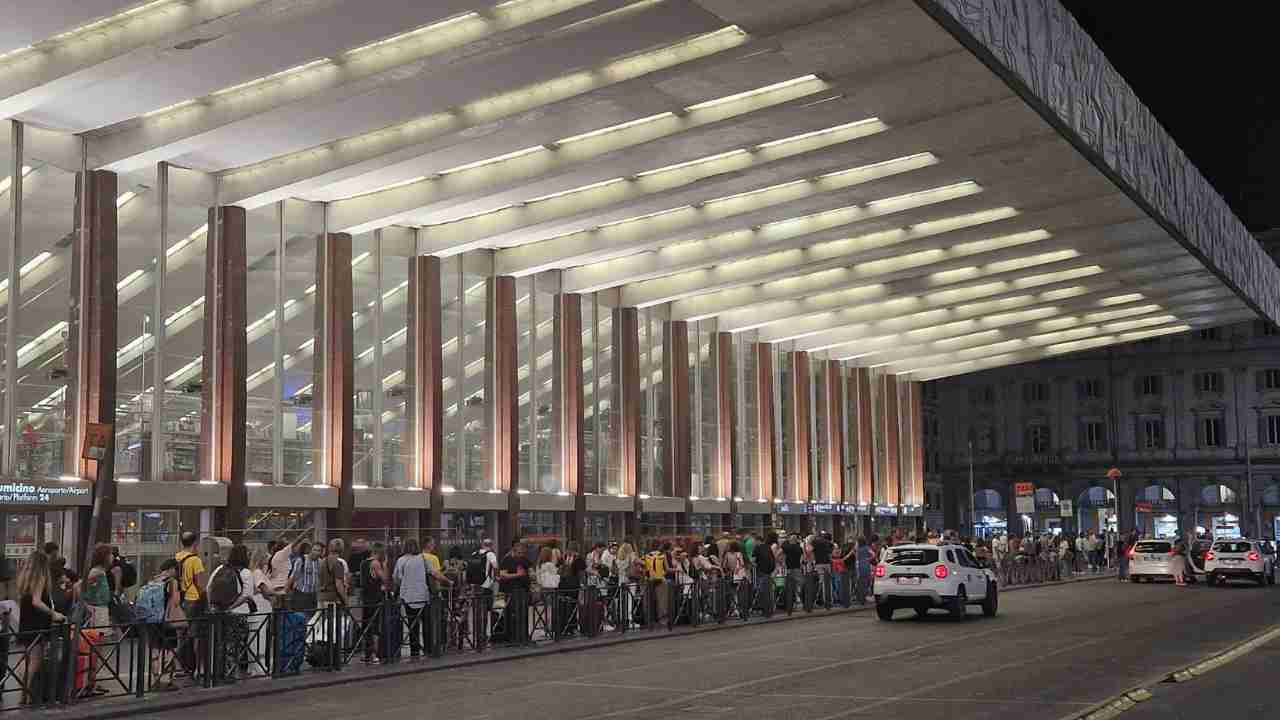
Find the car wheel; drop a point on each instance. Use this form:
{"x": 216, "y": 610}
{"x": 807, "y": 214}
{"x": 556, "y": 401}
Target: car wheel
{"x": 991, "y": 603}
{"x": 885, "y": 611}
{"x": 921, "y": 612}
{"x": 1210, "y": 580}
{"x": 1261, "y": 580}
{"x": 959, "y": 603}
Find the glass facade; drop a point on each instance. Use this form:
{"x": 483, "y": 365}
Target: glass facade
{"x": 161, "y": 277}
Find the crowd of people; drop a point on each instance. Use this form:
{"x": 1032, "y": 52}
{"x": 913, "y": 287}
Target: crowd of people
{"x": 385, "y": 591}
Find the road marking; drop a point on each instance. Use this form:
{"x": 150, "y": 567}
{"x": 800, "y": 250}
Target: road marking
{"x": 819, "y": 696}
{"x": 1021, "y": 662}
{"x": 819, "y": 668}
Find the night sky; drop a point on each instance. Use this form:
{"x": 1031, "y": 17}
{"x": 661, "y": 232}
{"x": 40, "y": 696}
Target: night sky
{"x": 1210, "y": 77}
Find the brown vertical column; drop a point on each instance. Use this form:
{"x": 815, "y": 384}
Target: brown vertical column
{"x": 798, "y": 487}
{"x": 865, "y": 439}
{"x": 679, "y": 426}
{"x": 502, "y": 395}
{"x": 913, "y": 443}
{"x": 91, "y": 397}
{"x": 223, "y": 395}
{"x": 335, "y": 364}
{"x": 889, "y": 425}
{"x": 765, "y": 404}
{"x": 625, "y": 372}
{"x": 726, "y": 418}
{"x": 566, "y": 393}
{"x": 424, "y": 373}
{"x": 833, "y": 432}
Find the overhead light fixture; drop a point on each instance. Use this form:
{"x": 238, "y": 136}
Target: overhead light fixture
{"x": 752, "y": 93}
{"x": 614, "y": 128}
{"x": 125, "y": 197}
{"x": 494, "y": 160}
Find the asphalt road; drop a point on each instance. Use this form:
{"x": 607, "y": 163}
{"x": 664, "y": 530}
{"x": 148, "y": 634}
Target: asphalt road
{"x": 1051, "y": 651}
{"x": 1241, "y": 690}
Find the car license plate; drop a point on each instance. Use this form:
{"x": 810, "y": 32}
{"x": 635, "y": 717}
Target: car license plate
{"x": 1231, "y": 561}
{"x": 1151, "y": 558}
{"x": 908, "y": 581}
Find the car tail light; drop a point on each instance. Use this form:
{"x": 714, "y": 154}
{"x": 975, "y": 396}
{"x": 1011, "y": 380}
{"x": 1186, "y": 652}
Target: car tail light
{"x": 880, "y": 571}
{"x": 1133, "y": 551}
{"x": 940, "y": 572}
{"x": 1254, "y": 556}
{"x": 1209, "y": 555}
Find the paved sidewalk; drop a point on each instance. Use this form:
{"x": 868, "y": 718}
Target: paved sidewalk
{"x": 122, "y": 707}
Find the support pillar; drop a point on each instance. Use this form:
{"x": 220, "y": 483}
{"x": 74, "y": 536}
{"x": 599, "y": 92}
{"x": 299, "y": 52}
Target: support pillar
{"x": 679, "y": 426}
{"x": 424, "y": 374}
{"x": 91, "y": 397}
{"x": 913, "y": 443}
{"x": 335, "y": 363}
{"x": 726, "y": 416}
{"x": 765, "y": 404}
{"x": 832, "y": 433}
{"x": 223, "y": 376}
{"x": 625, "y": 370}
{"x": 566, "y": 393}
{"x": 501, "y": 395}
{"x": 864, "y": 445}
{"x": 798, "y": 483}
{"x": 890, "y": 426}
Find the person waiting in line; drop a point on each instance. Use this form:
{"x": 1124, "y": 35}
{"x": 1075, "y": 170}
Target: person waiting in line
{"x": 514, "y": 582}
{"x": 95, "y": 590}
{"x": 304, "y": 576}
{"x": 409, "y": 579}
{"x": 376, "y": 588}
{"x": 36, "y": 615}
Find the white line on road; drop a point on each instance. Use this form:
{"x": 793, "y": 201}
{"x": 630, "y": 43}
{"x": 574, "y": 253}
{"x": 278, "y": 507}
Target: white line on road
{"x": 820, "y": 668}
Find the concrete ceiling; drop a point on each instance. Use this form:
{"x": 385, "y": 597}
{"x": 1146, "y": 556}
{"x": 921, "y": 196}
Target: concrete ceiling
{"x": 840, "y": 174}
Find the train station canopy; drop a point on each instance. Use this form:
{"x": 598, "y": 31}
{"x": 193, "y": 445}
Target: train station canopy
{"x": 931, "y": 186}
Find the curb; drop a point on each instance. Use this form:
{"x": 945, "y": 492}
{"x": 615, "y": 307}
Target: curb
{"x": 202, "y": 696}
{"x": 1128, "y": 699}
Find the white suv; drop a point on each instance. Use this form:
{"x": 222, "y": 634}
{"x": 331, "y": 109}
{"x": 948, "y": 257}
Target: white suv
{"x": 923, "y": 577}
{"x": 1239, "y": 558}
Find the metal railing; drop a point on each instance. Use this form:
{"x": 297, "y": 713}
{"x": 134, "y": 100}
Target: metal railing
{"x": 66, "y": 665}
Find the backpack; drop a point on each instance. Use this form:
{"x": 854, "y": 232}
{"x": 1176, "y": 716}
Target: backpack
{"x": 478, "y": 568}
{"x": 655, "y": 566}
{"x": 151, "y": 603}
{"x": 366, "y": 576}
{"x": 128, "y": 574}
{"x": 224, "y": 588}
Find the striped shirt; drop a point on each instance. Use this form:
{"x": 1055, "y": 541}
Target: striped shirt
{"x": 305, "y": 574}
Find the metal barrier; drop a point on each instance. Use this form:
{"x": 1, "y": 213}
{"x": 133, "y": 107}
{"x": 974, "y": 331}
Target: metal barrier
{"x": 66, "y": 665}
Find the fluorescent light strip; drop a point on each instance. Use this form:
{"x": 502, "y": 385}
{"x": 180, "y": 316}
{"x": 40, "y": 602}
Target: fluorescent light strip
{"x": 268, "y": 78}
{"x": 124, "y": 282}
{"x": 125, "y": 197}
{"x": 493, "y": 160}
{"x": 751, "y": 93}
{"x": 439, "y": 25}
{"x": 574, "y": 191}
{"x": 614, "y": 128}
{"x": 6, "y": 183}
{"x": 872, "y": 122}
{"x": 691, "y": 163}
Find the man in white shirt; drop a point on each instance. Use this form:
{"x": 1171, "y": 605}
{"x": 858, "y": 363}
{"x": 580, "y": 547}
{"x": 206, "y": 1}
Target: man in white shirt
{"x": 491, "y": 565}
{"x": 279, "y": 575}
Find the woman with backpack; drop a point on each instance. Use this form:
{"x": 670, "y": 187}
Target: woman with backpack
{"x": 230, "y": 592}
{"x": 159, "y": 610}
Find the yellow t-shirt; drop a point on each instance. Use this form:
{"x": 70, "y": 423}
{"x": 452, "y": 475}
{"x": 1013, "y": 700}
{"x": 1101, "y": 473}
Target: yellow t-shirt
{"x": 433, "y": 562}
{"x": 188, "y": 571}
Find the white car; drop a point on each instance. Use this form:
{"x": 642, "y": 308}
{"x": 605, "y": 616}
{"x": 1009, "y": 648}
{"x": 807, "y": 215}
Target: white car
{"x": 1239, "y": 559}
{"x": 922, "y": 577}
{"x": 1151, "y": 560}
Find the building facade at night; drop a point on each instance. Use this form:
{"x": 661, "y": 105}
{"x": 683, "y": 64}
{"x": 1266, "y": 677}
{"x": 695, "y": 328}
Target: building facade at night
{"x": 1192, "y": 421}
{"x": 582, "y": 269}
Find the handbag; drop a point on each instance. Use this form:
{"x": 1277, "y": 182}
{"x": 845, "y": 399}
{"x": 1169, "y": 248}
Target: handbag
{"x": 121, "y": 610}
{"x": 80, "y": 615}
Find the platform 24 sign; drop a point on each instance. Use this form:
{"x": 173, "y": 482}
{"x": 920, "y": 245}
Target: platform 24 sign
{"x": 37, "y": 493}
